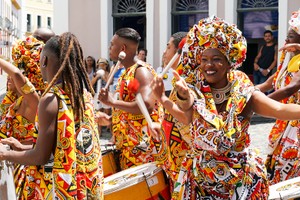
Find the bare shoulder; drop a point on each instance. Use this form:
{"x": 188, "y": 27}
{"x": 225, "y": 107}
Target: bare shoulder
{"x": 48, "y": 103}
{"x": 143, "y": 75}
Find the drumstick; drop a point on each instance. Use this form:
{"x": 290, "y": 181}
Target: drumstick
{"x": 121, "y": 57}
{"x": 169, "y": 65}
{"x": 133, "y": 87}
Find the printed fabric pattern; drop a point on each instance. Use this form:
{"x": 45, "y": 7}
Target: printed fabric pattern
{"x": 284, "y": 139}
{"x": 221, "y": 166}
{"x": 131, "y": 131}
{"x": 15, "y": 125}
{"x": 75, "y": 171}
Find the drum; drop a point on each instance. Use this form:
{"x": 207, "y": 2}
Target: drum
{"x": 143, "y": 182}
{"x": 109, "y": 162}
{"x": 7, "y": 185}
{"x": 289, "y": 189}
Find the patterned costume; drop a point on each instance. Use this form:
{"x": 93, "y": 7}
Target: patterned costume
{"x": 220, "y": 165}
{"x": 15, "y": 125}
{"x": 76, "y": 167}
{"x": 26, "y": 55}
{"x": 177, "y": 146}
{"x": 284, "y": 139}
{"x": 223, "y": 167}
{"x": 131, "y": 131}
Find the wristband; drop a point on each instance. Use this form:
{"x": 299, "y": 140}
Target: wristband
{"x": 268, "y": 70}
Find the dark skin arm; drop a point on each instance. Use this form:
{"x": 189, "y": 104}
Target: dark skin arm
{"x": 267, "y": 85}
{"x": 158, "y": 91}
{"x": 46, "y": 141}
{"x": 294, "y": 85}
{"x": 144, "y": 76}
{"x": 29, "y": 105}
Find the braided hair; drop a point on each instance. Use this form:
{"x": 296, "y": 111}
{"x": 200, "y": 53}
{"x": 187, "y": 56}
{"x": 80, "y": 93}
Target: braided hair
{"x": 71, "y": 70}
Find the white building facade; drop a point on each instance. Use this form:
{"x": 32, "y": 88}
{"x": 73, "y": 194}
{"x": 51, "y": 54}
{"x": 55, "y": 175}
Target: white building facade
{"x": 10, "y": 25}
{"x": 95, "y": 21}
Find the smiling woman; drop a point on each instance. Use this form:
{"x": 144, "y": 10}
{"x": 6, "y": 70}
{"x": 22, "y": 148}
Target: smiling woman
{"x": 217, "y": 102}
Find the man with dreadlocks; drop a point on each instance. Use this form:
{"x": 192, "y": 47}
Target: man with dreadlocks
{"x": 129, "y": 127}
{"x": 67, "y": 130}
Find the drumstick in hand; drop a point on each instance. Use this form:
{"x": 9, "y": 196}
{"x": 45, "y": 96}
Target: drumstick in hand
{"x": 121, "y": 57}
{"x": 133, "y": 87}
{"x": 174, "y": 58}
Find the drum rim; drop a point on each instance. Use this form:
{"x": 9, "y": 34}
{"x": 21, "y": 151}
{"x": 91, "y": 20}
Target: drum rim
{"x": 292, "y": 193}
{"x": 140, "y": 179}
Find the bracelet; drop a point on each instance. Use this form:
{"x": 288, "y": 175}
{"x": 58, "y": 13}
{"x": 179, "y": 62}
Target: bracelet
{"x": 28, "y": 87}
{"x": 260, "y": 69}
{"x": 182, "y": 102}
{"x": 268, "y": 70}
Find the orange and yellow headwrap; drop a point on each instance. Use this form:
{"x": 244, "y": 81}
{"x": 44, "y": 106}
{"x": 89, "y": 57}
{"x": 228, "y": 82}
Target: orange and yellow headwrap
{"x": 26, "y": 56}
{"x": 212, "y": 32}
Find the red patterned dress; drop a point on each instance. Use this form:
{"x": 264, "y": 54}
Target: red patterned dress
{"x": 283, "y": 160}
{"x": 130, "y": 131}
{"x": 176, "y": 136}
{"x": 76, "y": 171}
{"x": 221, "y": 166}
{"x": 15, "y": 125}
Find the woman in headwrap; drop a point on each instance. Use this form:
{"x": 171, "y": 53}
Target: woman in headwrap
{"x": 17, "y": 120}
{"x": 218, "y": 101}
{"x": 283, "y": 160}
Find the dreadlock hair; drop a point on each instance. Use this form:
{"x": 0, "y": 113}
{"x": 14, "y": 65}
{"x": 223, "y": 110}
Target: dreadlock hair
{"x": 71, "y": 70}
{"x": 178, "y": 36}
{"x": 129, "y": 34}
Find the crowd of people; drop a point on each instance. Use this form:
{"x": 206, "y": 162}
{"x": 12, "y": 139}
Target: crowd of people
{"x": 200, "y": 110}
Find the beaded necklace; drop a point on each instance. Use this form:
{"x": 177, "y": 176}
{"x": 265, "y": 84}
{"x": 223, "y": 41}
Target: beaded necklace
{"x": 222, "y": 94}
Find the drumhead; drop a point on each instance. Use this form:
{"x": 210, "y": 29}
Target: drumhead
{"x": 285, "y": 189}
{"x": 129, "y": 177}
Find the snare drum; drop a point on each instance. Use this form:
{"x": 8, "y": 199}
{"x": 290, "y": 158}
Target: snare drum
{"x": 289, "y": 189}
{"x": 7, "y": 185}
{"x": 143, "y": 182}
{"x": 109, "y": 162}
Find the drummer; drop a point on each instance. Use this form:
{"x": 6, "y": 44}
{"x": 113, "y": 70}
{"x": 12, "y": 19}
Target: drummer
{"x": 129, "y": 127}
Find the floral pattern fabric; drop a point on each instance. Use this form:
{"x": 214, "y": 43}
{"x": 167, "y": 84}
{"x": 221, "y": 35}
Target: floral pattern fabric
{"x": 284, "y": 139}
{"x": 15, "y": 125}
{"x": 221, "y": 166}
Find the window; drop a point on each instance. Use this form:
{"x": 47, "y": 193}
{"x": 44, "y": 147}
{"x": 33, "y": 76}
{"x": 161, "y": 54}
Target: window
{"x": 39, "y": 21}
{"x": 28, "y": 23}
{"x": 49, "y": 22}
{"x": 186, "y": 13}
{"x": 256, "y": 16}
{"x": 131, "y": 13}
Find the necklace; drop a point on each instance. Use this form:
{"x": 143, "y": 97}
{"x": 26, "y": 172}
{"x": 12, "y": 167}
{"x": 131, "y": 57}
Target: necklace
{"x": 222, "y": 94}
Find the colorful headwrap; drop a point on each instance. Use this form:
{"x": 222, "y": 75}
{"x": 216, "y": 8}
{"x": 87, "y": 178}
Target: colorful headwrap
{"x": 26, "y": 56}
{"x": 295, "y": 21}
{"x": 212, "y": 32}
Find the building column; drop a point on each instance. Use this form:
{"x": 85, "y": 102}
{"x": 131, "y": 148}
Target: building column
{"x": 61, "y": 16}
{"x": 165, "y": 23}
{"x": 213, "y": 8}
{"x": 106, "y": 27}
{"x": 230, "y": 11}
